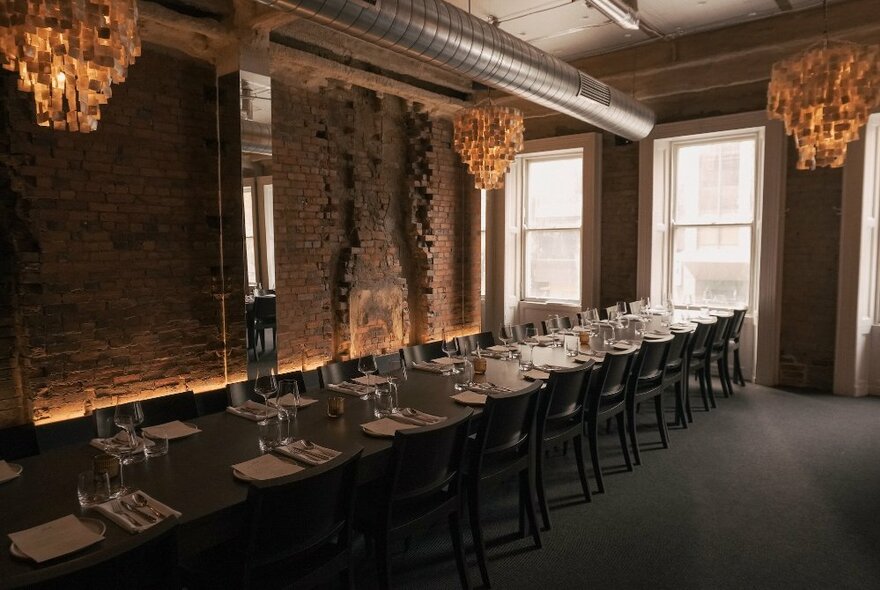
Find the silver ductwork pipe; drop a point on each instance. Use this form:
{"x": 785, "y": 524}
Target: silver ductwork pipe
{"x": 443, "y": 35}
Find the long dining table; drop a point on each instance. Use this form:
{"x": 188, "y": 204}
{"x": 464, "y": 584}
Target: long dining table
{"x": 195, "y": 477}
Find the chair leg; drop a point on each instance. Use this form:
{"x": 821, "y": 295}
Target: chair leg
{"x": 661, "y": 420}
{"x": 633, "y": 435}
{"x": 542, "y": 495}
{"x": 725, "y": 367}
{"x": 708, "y": 373}
{"x": 621, "y": 429}
{"x": 593, "y": 437}
{"x": 737, "y": 369}
{"x": 477, "y": 531}
{"x": 724, "y": 377}
{"x": 680, "y": 403}
{"x": 458, "y": 547}
{"x": 526, "y": 484}
{"x": 701, "y": 377}
{"x": 578, "y": 444}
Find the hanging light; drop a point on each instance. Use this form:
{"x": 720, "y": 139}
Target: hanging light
{"x": 68, "y": 53}
{"x": 824, "y": 95}
{"x": 488, "y": 138}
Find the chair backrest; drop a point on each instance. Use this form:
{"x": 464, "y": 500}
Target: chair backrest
{"x": 333, "y": 373}
{"x": 386, "y": 363}
{"x": 677, "y": 350}
{"x": 264, "y": 308}
{"x": 468, "y": 344}
{"x": 301, "y": 513}
{"x": 563, "y": 400}
{"x": 558, "y": 323}
{"x": 701, "y": 339}
{"x": 211, "y": 402}
{"x": 521, "y": 332}
{"x": 240, "y": 392}
{"x": 18, "y": 442}
{"x": 178, "y": 406}
{"x": 635, "y": 307}
{"x": 422, "y": 352}
{"x": 609, "y": 386}
{"x": 146, "y": 561}
{"x": 507, "y": 425}
{"x": 722, "y": 330}
{"x": 610, "y": 312}
{"x": 294, "y": 376}
{"x": 426, "y": 462}
{"x": 736, "y": 325}
{"x": 650, "y": 364}
{"x": 66, "y": 432}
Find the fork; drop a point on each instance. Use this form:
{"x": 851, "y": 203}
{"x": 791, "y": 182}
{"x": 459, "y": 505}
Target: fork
{"x": 118, "y": 509}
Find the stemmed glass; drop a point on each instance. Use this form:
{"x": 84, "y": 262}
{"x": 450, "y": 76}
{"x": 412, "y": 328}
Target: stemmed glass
{"x": 367, "y": 366}
{"x": 128, "y": 416}
{"x": 396, "y": 375}
{"x": 531, "y": 341}
{"x": 505, "y": 336}
{"x": 450, "y": 348}
{"x": 287, "y": 413}
{"x": 266, "y": 385}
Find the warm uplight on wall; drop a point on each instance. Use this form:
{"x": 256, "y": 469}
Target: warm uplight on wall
{"x": 68, "y": 53}
{"x": 488, "y": 138}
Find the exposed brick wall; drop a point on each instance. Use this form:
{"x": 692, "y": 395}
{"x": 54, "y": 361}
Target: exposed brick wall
{"x": 810, "y": 275}
{"x": 620, "y": 223}
{"x": 373, "y": 246}
{"x": 120, "y": 290}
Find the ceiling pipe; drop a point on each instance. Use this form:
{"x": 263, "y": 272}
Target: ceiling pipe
{"x": 441, "y": 34}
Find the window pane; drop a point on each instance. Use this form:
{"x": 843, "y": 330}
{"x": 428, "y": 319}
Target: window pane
{"x": 250, "y": 254}
{"x": 715, "y": 182}
{"x": 553, "y": 264}
{"x": 711, "y": 265}
{"x": 554, "y": 193}
{"x": 269, "y": 210}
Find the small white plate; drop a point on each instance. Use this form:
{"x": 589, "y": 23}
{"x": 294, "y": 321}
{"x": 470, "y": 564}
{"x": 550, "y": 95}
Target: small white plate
{"x": 16, "y": 468}
{"x": 93, "y": 524}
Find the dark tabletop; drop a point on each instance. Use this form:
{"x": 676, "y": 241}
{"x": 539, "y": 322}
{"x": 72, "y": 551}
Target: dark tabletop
{"x": 195, "y": 477}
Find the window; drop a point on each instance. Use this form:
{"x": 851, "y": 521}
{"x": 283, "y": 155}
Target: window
{"x": 712, "y": 219}
{"x": 269, "y": 220}
{"x": 552, "y": 205}
{"x": 249, "y": 243}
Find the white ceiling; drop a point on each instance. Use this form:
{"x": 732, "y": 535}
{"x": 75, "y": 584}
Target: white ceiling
{"x": 570, "y": 28}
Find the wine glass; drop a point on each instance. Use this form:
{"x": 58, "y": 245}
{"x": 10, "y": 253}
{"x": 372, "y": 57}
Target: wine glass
{"x": 505, "y": 335}
{"x": 395, "y": 375}
{"x": 128, "y": 417}
{"x": 367, "y": 366}
{"x": 266, "y": 385}
{"x": 286, "y": 413}
{"x": 531, "y": 342}
{"x": 449, "y": 348}
{"x": 621, "y": 309}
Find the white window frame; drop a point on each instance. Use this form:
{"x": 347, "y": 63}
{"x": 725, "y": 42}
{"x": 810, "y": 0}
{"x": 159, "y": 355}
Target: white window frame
{"x": 673, "y": 145}
{"x": 765, "y": 313}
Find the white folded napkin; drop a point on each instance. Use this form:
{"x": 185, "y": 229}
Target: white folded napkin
{"x": 314, "y": 456}
{"x": 498, "y": 348}
{"x": 252, "y": 411}
{"x": 470, "y": 398}
{"x": 544, "y": 339}
{"x": 171, "y": 430}
{"x": 430, "y": 367}
{"x": 289, "y": 400}
{"x": 535, "y": 374}
{"x": 143, "y": 516}
{"x": 351, "y": 388}
{"x": 589, "y": 356}
{"x": 488, "y": 388}
{"x": 445, "y": 360}
{"x": 9, "y": 471}
{"x": 116, "y": 442}
{"x": 266, "y": 467}
{"x": 55, "y": 538}
{"x": 385, "y": 427}
{"x": 412, "y": 416}
{"x": 370, "y": 380}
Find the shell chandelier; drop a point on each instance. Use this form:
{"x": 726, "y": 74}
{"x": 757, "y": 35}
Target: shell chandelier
{"x": 488, "y": 138}
{"x": 823, "y": 96}
{"x": 68, "y": 53}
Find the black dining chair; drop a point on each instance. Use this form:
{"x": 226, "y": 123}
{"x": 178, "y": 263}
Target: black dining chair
{"x": 211, "y": 402}
{"x": 698, "y": 359}
{"x": 739, "y": 317}
{"x": 18, "y": 442}
{"x": 65, "y": 432}
{"x": 646, "y": 383}
{"x": 468, "y": 344}
{"x": 240, "y": 392}
{"x": 264, "y": 319}
{"x": 422, "y": 487}
{"x": 560, "y": 420}
{"x": 606, "y": 399}
{"x": 503, "y": 448}
{"x": 557, "y": 323}
{"x": 158, "y": 410}
{"x": 421, "y": 353}
{"x": 677, "y": 376}
{"x": 718, "y": 352}
{"x": 296, "y": 533}
{"x": 520, "y": 332}
{"x": 386, "y": 363}
{"x": 146, "y": 561}
{"x": 339, "y": 371}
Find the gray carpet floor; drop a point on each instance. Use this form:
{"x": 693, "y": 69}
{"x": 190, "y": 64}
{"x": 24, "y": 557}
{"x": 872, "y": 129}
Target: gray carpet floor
{"x": 772, "y": 489}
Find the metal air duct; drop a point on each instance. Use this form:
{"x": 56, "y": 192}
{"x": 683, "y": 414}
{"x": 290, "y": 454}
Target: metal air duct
{"x": 443, "y": 35}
